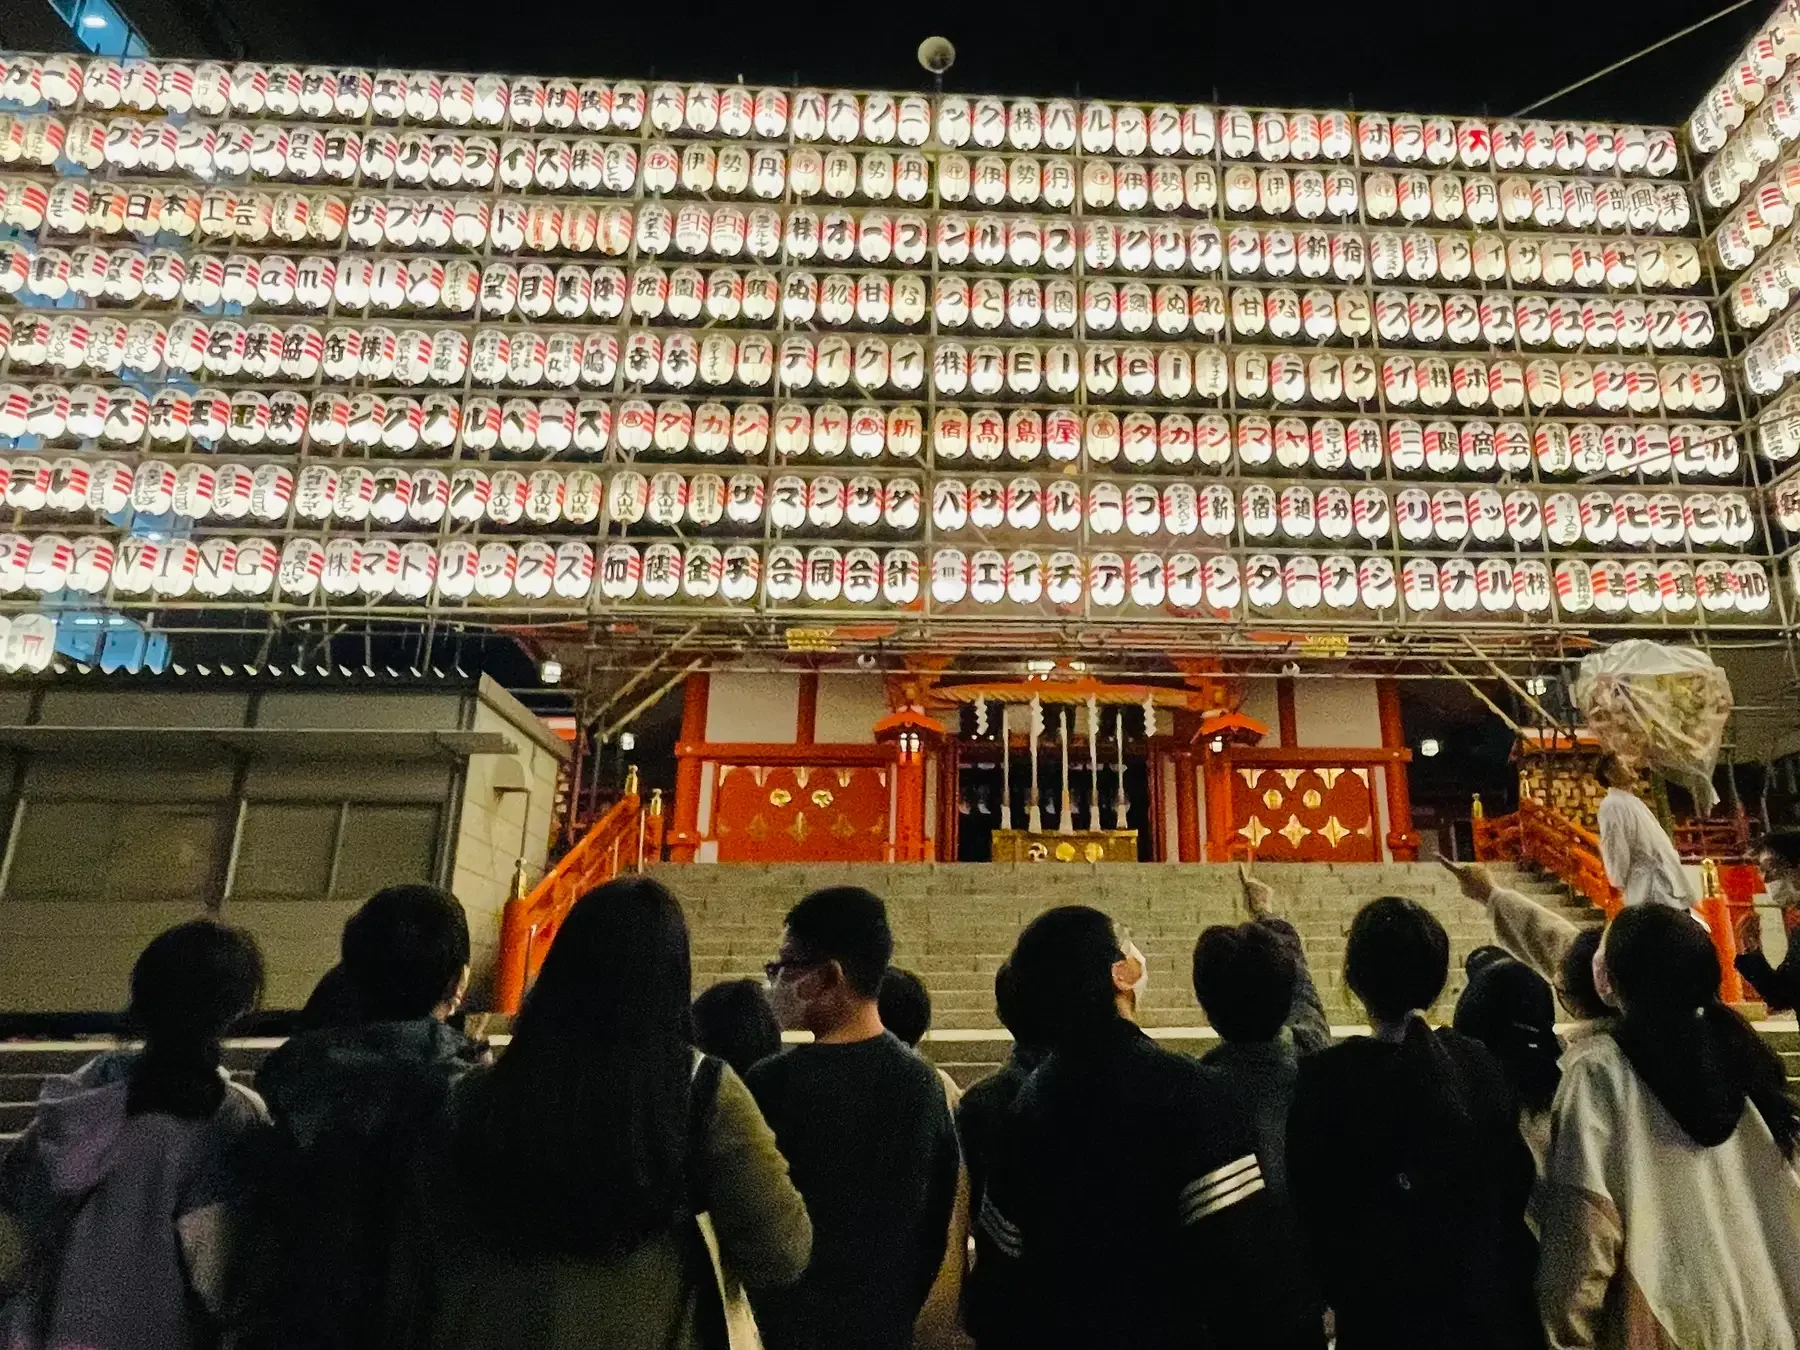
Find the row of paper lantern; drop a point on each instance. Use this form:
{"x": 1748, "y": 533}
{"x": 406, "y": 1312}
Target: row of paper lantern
{"x": 1743, "y": 235}
{"x": 1297, "y": 512}
{"x": 480, "y": 424}
{"x": 345, "y": 491}
{"x": 1753, "y": 147}
{"x": 801, "y": 234}
{"x": 459, "y": 285}
{"x": 1766, "y": 288}
{"x": 1747, "y": 81}
{"x": 1771, "y": 362}
{"x": 245, "y": 569}
{"x": 460, "y": 569}
{"x": 590, "y": 165}
{"x": 841, "y": 299}
{"x": 564, "y": 358}
{"x": 1338, "y": 581}
{"x": 390, "y": 494}
{"x": 826, "y": 502}
{"x": 1213, "y": 440}
{"x": 1448, "y": 515}
{"x": 837, "y": 116}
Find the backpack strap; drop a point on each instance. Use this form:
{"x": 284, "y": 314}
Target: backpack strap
{"x": 709, "y": 1311}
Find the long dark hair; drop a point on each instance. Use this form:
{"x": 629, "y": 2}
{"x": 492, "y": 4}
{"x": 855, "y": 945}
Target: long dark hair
{"x": 1701, "y": 1059}
{"x": 187, "y": 988}
{"x": 576, "y": 1141}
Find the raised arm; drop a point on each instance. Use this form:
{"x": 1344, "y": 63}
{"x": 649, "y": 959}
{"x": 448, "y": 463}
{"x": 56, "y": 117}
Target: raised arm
{"x": 1306, "y": 1014}
{"x": 1534, "y": 933}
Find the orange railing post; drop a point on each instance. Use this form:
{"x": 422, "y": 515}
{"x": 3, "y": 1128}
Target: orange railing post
{"x": 515, "y": 945}
{"x": 657, "y": 822}
{"x": 529, "y": 923}
{"x": 1716, "y": 910}
{"x": 1535, "y": 834}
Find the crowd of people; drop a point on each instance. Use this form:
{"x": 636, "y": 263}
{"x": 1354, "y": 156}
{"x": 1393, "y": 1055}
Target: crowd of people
{"x": 637, "y": 1172}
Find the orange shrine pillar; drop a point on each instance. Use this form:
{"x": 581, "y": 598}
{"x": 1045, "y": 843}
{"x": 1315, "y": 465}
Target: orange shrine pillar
{"x": 684, "y": 834}
{"x": 1402, "y": 841}
{"x": 909, "y": 806}
{"x": 1218, "y": 807}
{"x": 909, "y": 734}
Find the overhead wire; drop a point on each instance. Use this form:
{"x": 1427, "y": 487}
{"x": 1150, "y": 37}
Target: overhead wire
{"x": 1616, "y": 65}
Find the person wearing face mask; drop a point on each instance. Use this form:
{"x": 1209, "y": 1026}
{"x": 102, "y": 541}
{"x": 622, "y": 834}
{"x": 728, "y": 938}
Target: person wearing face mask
{"x": 1122, "y": 1166}
{"x": 1670, "y": 1210}
{"x": 1777, "y": 986}
{"x": 866, "y": 1128}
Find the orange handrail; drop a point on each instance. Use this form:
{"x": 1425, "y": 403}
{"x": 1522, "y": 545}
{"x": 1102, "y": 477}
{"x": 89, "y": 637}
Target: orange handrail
{"x": 1571, "y": 853}
{"x": 1725, "y": 837}
{"x": 622, "y": 840}
{"x": 1536, "y": 834}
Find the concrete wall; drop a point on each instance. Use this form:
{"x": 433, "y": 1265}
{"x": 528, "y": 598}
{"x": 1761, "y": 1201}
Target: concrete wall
{"x": 849, "y": 707}
{"x": 494, "y": 825}
{"x": 1260, "y": 703}
{"x": 285, "y": 842}
{"x": 1340, "y": 712}
{"x": 752, "y": 706}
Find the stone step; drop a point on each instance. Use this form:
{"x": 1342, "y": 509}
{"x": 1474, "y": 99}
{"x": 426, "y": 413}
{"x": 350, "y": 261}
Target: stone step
{"x": 955, "y": 923}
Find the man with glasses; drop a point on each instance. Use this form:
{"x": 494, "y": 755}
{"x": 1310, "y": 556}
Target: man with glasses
{"x": 866, "y": 1130}
{"x": 1124, "y": 1167}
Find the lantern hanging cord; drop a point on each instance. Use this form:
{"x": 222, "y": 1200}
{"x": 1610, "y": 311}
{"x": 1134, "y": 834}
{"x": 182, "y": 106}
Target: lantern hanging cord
{"x": 1654, "y": 46}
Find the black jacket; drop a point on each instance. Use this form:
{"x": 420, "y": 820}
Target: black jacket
{"x": 1777, "y": 986}
{"x": 1407, "y": 1168}
{"x": 1126, "y": 1208}
{"x": 350, "y": 1104}
{"x": 981, "y": 1114}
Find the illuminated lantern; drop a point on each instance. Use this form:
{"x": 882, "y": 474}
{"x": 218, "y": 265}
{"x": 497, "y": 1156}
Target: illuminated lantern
{"x": 1677, "y": 586}
{"x": 1262, "y": 580}
{"x": 1562, "y": 519}
{"x": 1223, "y": 585}
{"x": 1419, "y": 584}
{"x": 1458, "y": 584}
{"x": 1574, "y": 587}
{"x": 621, "y": 569}
{"x": 1608, "y": 581}
{"x": 1449, "y": 515}
{"x": 1749, "y": 587}
{"x": 1524, "y": 518}
{"x": 1105, "y": 508}
{"x": 1713, "y": 582}
{"x": 1302, "y": 579}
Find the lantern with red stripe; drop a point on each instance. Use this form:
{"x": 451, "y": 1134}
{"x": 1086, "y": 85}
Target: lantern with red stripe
{"x": 496, "y": 568}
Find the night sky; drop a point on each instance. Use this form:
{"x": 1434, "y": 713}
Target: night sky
{"x": 1422, "y": 55}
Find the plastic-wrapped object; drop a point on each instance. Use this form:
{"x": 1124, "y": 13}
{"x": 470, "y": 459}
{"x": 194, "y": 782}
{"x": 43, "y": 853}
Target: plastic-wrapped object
{"x": 1660, "y": 707}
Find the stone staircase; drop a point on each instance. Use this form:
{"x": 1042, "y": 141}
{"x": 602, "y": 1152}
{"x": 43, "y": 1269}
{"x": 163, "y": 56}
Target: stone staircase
{"x": 955, "y": 923}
